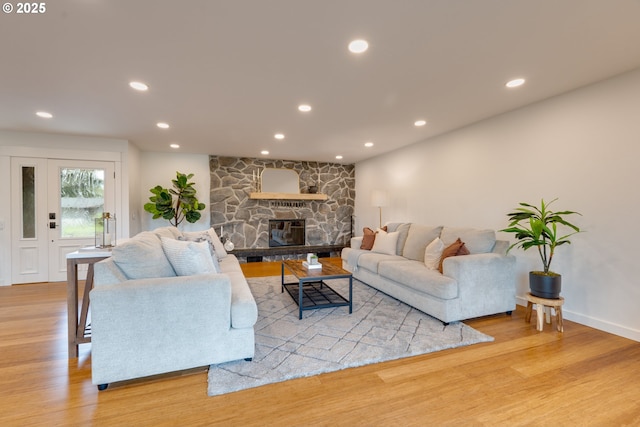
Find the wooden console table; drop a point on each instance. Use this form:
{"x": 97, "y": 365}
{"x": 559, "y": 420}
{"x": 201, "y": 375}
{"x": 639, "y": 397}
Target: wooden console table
{"x": 78, "y": 326}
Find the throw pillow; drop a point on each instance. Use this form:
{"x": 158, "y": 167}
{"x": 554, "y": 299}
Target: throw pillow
{"x": 203, "y": 236}
{"x": 189, "y": 258}
{"x": 433, "y": 253}
{"x": 385, "y": 243}
{"x": 453, "y": 249}
{"x": 368, "y": 238}
{"x": 210, "y": 235}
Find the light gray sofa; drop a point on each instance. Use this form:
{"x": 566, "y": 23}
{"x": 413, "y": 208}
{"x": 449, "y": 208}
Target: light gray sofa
{"x": 147, "y": 320}
{"x": 474, "y": 285}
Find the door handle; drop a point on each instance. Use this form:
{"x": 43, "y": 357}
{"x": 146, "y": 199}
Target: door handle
{"x": 52, "y": 224}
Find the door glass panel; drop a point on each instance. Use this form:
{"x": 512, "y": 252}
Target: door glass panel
{"x": 81, "y": 201}
{"x": 28, "y": 202}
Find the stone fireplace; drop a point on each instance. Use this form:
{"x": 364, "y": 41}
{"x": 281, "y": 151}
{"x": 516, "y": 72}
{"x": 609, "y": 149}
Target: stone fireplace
{"x": 245, "y": 221}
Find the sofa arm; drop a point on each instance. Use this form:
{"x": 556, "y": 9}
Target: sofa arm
{"x": 147, "y": 326}
{"x": 356, "y": 242}
{"x": 484, "y": 278}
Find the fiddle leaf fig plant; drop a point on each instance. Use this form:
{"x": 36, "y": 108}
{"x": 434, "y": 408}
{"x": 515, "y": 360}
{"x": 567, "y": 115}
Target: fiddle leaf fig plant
{"x": 538, "y": 227}
{"x": 175, "y": 204}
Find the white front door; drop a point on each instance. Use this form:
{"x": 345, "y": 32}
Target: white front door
{"x": 54, "y": 206}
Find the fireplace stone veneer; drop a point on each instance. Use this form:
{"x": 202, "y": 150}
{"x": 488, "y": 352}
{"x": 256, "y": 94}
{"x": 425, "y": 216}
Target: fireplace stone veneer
{"x": 245, "y": 221}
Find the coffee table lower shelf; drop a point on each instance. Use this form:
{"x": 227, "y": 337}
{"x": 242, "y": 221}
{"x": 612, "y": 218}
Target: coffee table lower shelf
{"x": 316, "y": 294}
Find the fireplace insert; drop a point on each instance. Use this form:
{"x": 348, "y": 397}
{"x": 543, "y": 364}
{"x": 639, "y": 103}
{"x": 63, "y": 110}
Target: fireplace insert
{"x": 286, "y": 232}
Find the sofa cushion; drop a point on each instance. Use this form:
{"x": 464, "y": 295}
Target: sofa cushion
{"x": 370, "y": 260}
{"x": 415, "y": 275}
{"x": 142, "y": 257}
{"x": 189, "y": 258}
{"x": 418, "y": 238}
{"x": 403, "y": 232}
{"x": 169, "y": 231}
{"x": 106, "y": 272}
{"x": 477, "y": 241}
{"x": 433, "y": 253}
{"x": 385, "y": 243}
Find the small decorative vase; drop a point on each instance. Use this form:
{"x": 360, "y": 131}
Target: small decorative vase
{"x": 545, "y": 285}
{"x": 313, "y": 189}
{"x": 228, "y": 245}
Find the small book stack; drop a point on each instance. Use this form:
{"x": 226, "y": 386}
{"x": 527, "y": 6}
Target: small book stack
{"x": 311, "y": 266}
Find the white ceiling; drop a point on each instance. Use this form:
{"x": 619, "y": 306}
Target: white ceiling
{"x": 227, "y": 75}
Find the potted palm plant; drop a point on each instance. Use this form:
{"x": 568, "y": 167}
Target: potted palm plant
{"x": 538, "y": 227}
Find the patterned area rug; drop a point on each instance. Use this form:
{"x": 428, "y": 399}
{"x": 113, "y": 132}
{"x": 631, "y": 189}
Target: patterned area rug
{"x": 381, "y": 328}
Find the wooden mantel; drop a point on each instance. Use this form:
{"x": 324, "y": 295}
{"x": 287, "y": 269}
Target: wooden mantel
{"x": 287, "y": 196}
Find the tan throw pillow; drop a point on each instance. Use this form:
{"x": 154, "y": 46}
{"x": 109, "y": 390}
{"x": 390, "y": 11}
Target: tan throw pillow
{"x": 463, "y": 250}
{"x": 452, "y": 250}
{"x": 367, "y": 239}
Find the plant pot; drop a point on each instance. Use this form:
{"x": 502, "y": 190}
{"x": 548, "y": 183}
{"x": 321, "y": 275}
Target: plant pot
{"x": 545, "y": 285}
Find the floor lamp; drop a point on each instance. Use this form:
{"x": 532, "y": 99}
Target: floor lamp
{"x": 379, "y": 199}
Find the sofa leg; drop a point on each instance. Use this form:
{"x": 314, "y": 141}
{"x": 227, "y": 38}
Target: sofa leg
{"x": 248, "y": 359}
{"x": 509, "y": 313}
{"x": 102, "y": 386}
{"x": 445, "y": 323}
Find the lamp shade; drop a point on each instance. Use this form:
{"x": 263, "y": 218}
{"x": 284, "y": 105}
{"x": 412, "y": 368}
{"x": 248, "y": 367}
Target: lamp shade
{"x": 378, "y": 198}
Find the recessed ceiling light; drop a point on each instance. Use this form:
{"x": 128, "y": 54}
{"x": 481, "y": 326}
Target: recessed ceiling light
{"x": 420, "y": 123}
{"x": 368, "y": 144}
{"x": 304, "y": 108}
{"x": 279, "y": 136}
{"x": 264, "y": 152}
{"x": 174, "y": 145}
{"x": 139, "y": 86}
{"x": 162, "y": 125}
{"x": 339, "y": 157}
{"x": 515, "y": 83}
{"x": 358, "y": 46}
{"x": 44, "y": 114}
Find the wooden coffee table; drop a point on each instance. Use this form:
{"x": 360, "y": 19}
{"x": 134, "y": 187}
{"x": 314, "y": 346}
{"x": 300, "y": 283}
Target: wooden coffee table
{"x": 311, "y": 291}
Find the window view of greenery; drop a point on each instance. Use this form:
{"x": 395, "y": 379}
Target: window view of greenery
{"x": 81, "y": 201}
{"x": 28, "y": 202}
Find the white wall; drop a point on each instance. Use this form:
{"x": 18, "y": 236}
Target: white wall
{"x": 133, "y": 176}
{"x": 160, "y": 169}
{"x": 582, "y": 147}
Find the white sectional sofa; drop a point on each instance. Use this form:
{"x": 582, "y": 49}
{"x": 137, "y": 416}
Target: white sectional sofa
{"x": 149, "y": 315}
{"x": 478, "y": 284}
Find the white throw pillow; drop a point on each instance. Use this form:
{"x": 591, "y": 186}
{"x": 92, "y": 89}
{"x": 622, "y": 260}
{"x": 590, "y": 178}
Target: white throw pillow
{"x": 385, "y": 243}
{"x": 204, "y": 236}
{"x": 189, "y": 258}
{"x": 432, "y": 253}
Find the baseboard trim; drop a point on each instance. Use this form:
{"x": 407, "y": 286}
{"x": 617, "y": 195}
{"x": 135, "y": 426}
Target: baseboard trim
{"x": 602, "y": 325}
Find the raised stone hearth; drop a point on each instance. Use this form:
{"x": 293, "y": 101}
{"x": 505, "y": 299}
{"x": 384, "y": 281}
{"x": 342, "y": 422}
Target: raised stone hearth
{"x": 245, "y": 221}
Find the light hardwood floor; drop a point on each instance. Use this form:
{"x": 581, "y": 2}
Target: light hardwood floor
{"x": 525, "y": 377}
